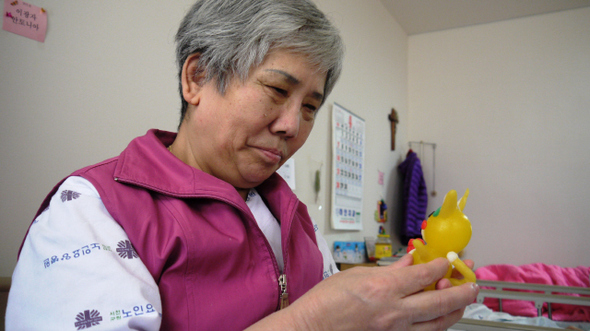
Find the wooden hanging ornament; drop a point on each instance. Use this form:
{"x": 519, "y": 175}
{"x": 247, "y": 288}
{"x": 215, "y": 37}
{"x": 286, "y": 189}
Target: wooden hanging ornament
{"x": 394, "y": 120}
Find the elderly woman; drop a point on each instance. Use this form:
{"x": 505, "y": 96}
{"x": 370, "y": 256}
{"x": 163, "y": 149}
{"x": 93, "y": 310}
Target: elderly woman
{"x": 195, "y": 230}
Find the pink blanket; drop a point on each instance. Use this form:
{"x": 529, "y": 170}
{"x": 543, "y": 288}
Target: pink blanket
{"x": 538, "y": 273}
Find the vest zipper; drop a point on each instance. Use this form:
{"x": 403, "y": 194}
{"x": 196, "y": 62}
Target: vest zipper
{"x": 284, "y": 297}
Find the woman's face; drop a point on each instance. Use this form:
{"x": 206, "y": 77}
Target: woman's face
{"x": 245, "y": 135}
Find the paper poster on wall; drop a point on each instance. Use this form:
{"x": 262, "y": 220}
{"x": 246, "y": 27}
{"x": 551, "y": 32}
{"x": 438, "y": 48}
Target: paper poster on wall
{"x": 348, "y": 150}
{"x": 25, "y": 19}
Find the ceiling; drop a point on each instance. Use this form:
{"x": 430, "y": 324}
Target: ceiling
{"x": 421, "y": 16}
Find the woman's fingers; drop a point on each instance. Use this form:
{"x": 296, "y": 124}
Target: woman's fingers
{"x": 405, "y": 261}
{"x": 469, "y": 263}
{"x": 443, "y": 283}
{"x": 441, "y": 323}
{"x": 417, "y": 277}
{"x": 430, "y": 305}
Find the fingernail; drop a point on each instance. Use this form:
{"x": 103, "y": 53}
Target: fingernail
{"x": 475, "y": 287}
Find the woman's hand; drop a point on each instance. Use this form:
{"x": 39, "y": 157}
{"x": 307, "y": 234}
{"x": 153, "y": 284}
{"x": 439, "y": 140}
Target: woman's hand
{"x": 446, "y": 283}
{"x": 381, "y": 298}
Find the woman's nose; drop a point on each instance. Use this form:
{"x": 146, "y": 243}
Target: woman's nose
{"x": 287, "y": 121}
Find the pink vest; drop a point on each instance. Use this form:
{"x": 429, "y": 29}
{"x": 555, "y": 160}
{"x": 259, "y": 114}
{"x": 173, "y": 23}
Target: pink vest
{"x": 199, "y": 240}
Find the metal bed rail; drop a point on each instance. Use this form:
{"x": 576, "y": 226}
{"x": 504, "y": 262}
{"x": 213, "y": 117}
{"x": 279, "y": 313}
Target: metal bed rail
{"x": 548, "y": 289}
{"x": 466, "y": 324}
{"x": 551, "y": 294}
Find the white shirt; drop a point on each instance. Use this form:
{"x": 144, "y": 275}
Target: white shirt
{"x": 77, "y": 268}
{"x": 272, "y": 230}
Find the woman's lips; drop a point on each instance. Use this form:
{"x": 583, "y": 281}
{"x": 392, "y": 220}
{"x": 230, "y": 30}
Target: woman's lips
{"x": 271, "y": 155}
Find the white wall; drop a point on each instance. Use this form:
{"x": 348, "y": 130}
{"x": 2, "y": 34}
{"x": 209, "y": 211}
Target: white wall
{"x": 106, "y": 74}
{"x": 373, "y": 81}
{"x": 508, "y": 105}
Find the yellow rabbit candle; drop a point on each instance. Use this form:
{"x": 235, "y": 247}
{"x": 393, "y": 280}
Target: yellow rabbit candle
{"x": 446, "y": 232}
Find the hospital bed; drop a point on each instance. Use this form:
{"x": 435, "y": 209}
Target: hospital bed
{"x": 544, "y": 297}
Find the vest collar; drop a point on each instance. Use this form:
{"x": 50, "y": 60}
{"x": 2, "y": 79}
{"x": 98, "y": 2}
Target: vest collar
{"x": 146, "y": 162}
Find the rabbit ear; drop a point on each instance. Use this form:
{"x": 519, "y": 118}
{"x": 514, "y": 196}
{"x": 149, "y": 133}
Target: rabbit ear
{"x": 463, "y": 200}
{"x": 449, "y": 204}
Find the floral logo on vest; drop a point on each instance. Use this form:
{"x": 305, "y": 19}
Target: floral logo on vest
{"x": 126, "y": 250}
{"x": 251, "y": 194}
{"x": 87, "y": 319}
{"x": 68, "y": 195}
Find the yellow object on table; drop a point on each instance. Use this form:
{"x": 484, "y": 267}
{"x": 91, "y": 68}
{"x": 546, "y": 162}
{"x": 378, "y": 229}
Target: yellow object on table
{"x": 383, "y": 246}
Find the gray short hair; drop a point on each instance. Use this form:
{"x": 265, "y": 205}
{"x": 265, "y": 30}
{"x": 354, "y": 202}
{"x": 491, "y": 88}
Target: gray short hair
{"x": 233, "y": 36}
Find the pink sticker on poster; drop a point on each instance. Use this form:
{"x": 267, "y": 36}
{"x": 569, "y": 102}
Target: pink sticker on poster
{"x": 25, "y": 19}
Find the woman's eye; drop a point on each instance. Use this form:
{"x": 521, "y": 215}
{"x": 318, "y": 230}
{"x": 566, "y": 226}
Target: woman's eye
{"x": 311, "y": 108}
{"x": 280, "y": 91}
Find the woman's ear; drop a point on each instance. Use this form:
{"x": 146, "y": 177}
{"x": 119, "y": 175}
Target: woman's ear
{"x": 192, "y": 79}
